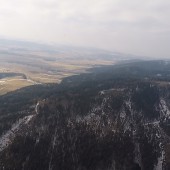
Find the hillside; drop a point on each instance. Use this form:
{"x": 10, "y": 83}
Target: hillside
{"x": 112, "y": 118}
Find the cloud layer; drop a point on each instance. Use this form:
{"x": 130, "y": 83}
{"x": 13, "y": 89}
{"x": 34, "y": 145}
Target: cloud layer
{"x": 135, "y": 26}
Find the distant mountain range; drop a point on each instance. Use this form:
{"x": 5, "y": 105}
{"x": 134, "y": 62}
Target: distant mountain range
{"x": 19, "y": 45}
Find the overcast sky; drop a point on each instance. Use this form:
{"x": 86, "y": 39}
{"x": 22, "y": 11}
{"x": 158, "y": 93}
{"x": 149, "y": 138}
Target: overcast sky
{"x": 130, "y": 26}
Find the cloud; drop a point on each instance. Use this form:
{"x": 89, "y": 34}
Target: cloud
{"x": 139, "y": 27}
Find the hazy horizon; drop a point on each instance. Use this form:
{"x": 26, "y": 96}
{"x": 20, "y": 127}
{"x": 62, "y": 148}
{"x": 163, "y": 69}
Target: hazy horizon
{"x": 135, "y": 27}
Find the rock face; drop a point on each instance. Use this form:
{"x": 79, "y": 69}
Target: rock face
{"x": 116, "y": 118}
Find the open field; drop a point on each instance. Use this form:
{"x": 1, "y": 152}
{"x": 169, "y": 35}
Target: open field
{"x": 11, "y": 84}
{"x": 38, "y": 63}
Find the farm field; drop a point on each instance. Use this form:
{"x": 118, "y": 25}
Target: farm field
{"x": 24, "y": 63}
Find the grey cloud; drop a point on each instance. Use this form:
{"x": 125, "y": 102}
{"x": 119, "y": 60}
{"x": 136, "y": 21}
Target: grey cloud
{"x": 135, "y": 26}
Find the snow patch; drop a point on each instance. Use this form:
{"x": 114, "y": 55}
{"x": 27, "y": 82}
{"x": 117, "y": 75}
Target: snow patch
{"x": 164, "y": 109}
{"x": 36, "y": 108}
{"x": 161, "y": 159}
{"x": 6, "y": 139}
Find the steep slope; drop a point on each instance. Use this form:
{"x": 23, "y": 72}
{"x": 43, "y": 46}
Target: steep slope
{"x": 114, "y": 118}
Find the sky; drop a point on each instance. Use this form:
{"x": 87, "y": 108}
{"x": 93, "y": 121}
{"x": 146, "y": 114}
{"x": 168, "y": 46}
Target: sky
{"x": 139, "y": 27}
